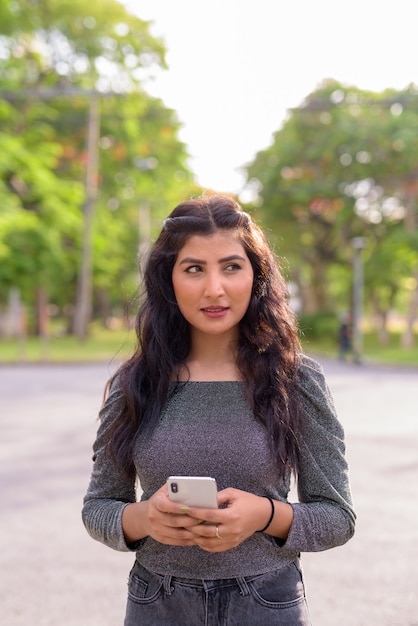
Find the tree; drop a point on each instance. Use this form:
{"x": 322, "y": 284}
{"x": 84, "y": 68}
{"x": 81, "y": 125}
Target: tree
{"x": 57, "y": 55}
{"x": 341, "y": 167}
{"x": 39, "y": 213}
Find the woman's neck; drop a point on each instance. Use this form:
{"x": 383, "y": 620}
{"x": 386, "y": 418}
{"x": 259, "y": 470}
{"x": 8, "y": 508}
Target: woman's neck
{"x": 211, "y": 359}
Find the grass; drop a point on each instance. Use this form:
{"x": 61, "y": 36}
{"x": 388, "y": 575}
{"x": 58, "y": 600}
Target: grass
{"x": 102, "y": 345}
{"x": 390, "y": 354}
{"x": 105, "y": 345}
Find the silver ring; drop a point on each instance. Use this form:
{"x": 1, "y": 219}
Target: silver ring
{"x": 217, "y": 532}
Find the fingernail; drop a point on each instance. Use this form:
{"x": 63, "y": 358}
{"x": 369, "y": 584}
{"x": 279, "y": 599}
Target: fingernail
{"x": 184, "y": 509}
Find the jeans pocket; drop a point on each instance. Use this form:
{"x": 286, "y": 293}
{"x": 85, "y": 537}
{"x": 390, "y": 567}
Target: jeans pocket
{"x": 143, "y": 586}
{"x": 280, "y": 589}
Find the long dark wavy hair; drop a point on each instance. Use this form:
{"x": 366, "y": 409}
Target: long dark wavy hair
{"x": 268, "y": 345}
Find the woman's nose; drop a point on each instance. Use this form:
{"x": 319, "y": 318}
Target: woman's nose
{"x": 213, "y": 285}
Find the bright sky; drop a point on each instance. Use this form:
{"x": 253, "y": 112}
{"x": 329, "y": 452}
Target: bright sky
{"x": 237, "y": 66}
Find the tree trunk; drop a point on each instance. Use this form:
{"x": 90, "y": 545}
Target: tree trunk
{"x": 83, "y": 308}
{"x": 103, "y": 308}
{"x": 312, "y": 289}
{"x": 42, "y": 315}
{"x": 407, "y": 339}
{"x": 381, "y": 322}
{"x": 411, "y": 223}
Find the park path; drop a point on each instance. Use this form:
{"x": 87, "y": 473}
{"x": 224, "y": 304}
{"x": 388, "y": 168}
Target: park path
{"x": 53, "y": 574}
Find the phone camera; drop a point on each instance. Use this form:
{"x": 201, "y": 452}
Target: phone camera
{"x": 174, "y": 487}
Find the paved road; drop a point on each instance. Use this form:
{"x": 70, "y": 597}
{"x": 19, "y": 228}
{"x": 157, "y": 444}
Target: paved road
{"x": 53, "y": 574}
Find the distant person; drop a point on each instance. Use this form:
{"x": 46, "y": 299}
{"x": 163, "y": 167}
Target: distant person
{"x": 218, "y": 386}
{"x": 344, "y": 339}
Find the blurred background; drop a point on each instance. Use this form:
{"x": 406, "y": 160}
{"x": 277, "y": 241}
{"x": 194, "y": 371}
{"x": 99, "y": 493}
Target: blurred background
{"x": 111, "y": 113}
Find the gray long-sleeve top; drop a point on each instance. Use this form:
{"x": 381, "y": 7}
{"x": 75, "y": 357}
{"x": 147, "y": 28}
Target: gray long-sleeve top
{"x": 208, "y": 429}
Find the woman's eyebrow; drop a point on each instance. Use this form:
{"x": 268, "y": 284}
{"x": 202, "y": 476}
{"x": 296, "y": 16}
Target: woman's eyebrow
{"x": 232, "y": 257}
{"x": 189, "y": 259}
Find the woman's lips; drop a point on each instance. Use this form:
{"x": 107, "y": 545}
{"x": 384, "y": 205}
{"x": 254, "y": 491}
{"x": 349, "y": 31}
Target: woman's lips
{"x": 214, "y": 311}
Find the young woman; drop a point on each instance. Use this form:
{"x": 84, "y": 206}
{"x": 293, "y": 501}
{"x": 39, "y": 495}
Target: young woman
{"x": 218, "y": 386}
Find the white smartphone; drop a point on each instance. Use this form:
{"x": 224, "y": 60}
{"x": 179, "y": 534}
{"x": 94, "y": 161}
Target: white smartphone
{"x": 197, "y": 491}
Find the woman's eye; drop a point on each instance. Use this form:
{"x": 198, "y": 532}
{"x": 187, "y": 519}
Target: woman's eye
{"x": 232, "y": 267}
{"x": 193, "y": 269}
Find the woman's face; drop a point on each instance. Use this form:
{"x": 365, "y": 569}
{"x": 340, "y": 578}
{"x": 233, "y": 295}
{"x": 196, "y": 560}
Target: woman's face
{"x": 212, "y": 281}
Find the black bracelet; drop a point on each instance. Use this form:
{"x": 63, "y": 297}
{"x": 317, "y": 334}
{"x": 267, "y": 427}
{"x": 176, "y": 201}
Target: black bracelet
{"x": 271, "y": 516}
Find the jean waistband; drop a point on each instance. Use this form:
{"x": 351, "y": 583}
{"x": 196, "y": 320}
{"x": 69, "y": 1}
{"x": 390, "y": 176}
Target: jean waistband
{"x": 206, "y": 585}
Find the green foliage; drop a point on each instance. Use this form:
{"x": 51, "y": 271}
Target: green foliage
{"x": 50, "y": 41}
{"x": 55, "y": 54}
{"x": 343, "y": 166}
{"x": 317, "y": 326}
{"x": 39, "y": 213}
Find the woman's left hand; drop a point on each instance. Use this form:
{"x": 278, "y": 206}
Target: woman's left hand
{"x": 243, "y": 514}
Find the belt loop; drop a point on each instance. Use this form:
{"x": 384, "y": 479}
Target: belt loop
{"x": 243, "y": 586}
{"x": 167, "y": 584}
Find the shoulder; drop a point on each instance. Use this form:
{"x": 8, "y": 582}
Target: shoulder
{"x": 114, "y": 384}
{"x": 310, "y": 373}
{"x": 113, "y": 400}
{"x": 315, "y": 396}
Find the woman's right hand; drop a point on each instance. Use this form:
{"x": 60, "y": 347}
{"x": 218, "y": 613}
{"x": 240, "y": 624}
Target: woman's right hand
{"x": 165, "y": 521}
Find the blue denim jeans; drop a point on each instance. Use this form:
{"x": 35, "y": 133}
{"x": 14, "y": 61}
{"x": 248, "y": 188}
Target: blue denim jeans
{"x": 276, "y": 598}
